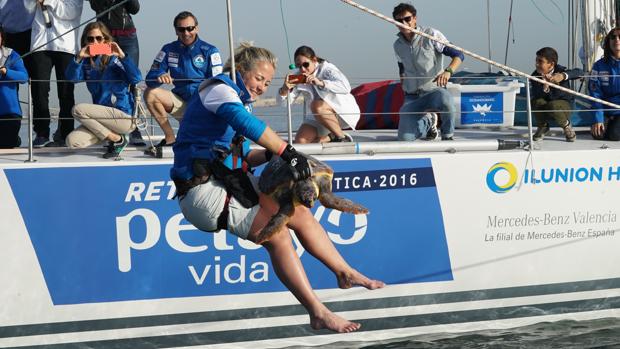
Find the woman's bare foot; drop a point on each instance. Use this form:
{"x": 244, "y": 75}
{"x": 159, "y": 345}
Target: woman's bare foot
{"x": 327, "y": 319}
{"x": 355, "y": 278}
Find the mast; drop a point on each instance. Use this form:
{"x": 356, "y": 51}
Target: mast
{"x": 231, "y": 46}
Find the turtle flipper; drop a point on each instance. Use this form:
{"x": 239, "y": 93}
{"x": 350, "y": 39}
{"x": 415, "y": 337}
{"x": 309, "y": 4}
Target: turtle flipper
{"x": 330, "y": 200}
{"x": 278, "y": 220}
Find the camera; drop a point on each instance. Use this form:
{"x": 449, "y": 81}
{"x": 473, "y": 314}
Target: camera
{"x": 297, "y": 79}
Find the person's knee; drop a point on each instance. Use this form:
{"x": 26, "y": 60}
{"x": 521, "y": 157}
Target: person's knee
{"x": 74, "y": 141}
{"x": 79, "y": 111}
{"x": 151, "y": 96}
{"x": 320, "y": 107}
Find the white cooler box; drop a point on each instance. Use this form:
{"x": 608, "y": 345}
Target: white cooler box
{"x": 485, "y": 105}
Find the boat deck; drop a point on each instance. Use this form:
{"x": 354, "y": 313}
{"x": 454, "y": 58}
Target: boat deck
{"x": 464, "y": 138}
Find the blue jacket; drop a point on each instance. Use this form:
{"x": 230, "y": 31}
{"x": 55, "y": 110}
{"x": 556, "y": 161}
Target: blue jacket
{"x": 605, "y": 85}
{"x": 15, "y": 71}
{"x": 188, "y": 66}
{"x": 212, "y": 118}
{"x": 110, "y": 86}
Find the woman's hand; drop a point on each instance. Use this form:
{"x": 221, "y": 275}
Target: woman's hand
{"x": 84, "y": 53}
{"x": 313, "y": 80}
{"x": 2, "y": 71}
{"x": 286, "y": 86}
{"x": 598, "y": 130}
{"x": 116, "y": 50}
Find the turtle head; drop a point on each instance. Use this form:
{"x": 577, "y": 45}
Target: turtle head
{"x": 306, "y": 192}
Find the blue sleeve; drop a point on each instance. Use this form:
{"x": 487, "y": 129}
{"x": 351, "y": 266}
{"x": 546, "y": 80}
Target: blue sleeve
{"x": 15, "y": 70}
{"x": 450, "y": 52}
{"x": 241, "y": 120}
{"x": 157, "y": 68}
{"x": 596, "y": 92}
{"x": 74, "y": 71}
{"x": 132, "y": 72}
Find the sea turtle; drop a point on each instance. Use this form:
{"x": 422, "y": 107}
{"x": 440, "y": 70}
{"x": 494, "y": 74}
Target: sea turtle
{"x": 277, "y": 181}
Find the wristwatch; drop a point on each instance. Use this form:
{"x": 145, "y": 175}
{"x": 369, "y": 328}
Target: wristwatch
{"x": 449, "y": 70}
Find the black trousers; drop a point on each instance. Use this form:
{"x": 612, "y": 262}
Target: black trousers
{"x": 9, "y": 131}
{"x": 41, "y": 64}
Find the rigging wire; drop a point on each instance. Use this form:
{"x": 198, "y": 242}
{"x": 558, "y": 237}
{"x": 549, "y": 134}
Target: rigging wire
{"x": 510, "y": 26}
{"x": 547, "y": 17}
{"x": 288, "y": 47}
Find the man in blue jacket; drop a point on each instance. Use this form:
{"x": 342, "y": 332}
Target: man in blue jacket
{"x": 183, "y": 63}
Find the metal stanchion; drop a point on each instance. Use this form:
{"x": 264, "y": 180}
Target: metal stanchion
{"x": 30, "y": 124}
{"x": 290, "y": 118}
{"x": 529, "y": 113}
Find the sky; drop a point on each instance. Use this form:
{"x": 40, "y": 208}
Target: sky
{"x": 358, "y": 43}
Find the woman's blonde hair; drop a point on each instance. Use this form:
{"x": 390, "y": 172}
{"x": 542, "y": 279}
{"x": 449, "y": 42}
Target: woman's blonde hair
{"x": 247, "y": 56}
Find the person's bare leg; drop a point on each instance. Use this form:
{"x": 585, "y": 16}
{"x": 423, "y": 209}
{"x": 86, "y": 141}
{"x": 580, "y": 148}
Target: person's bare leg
{"x": 315, "y": 240}
{"x": 324, "y": 114}
{"x": 306, "y": 134}
{"x": 290, "y": 271}
{"x": 159, "y": 103}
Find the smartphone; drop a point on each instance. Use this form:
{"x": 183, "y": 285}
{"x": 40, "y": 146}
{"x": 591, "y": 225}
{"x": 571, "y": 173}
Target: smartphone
{"x": 99, "y": 49}
{"x": 297, "y": 79}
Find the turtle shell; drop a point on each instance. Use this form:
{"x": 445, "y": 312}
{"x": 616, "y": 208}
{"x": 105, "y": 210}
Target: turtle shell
{"x": 278, "y": 174}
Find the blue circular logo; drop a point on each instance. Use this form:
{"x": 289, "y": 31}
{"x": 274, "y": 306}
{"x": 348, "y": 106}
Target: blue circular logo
{"x": 501, "y": 188}
{"x": 199, "y": 61}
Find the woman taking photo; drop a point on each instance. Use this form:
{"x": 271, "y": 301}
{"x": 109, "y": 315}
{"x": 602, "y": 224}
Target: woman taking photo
{"x": 214, "y": 121}
{"x": 332, "y": 105}
{"x": 108, "y": 73}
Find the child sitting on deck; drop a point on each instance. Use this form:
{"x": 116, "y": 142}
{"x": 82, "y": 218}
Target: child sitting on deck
{"x": 549, "y": 103}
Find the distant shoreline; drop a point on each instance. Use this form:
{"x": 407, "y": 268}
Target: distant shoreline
{"x": 273, "y": 102}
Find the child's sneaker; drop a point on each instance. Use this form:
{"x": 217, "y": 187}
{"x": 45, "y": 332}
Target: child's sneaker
{"x": 116, "y": 148}
{"x": 569, "y": 133}
{"x": 541, "y": 132}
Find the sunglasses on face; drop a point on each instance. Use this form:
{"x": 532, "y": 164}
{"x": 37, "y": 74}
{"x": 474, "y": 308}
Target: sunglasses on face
{"x": 92, "y": 39}
{"x": 614, "y": 37}
{"x": 404, "y": 19}
{"x": 304, "y": 65}
{"x": 188, "y": 29}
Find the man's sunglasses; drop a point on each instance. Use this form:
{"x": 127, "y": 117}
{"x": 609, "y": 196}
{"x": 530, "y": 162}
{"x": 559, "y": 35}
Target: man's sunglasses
{"x": 404, "y": 19}
{"x": 304, "y": 64}
{"x": 92, "y": 39}
{"x": 188, "y": 29}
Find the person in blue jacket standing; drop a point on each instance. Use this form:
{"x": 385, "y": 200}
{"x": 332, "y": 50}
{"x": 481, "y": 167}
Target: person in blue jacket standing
{"x": 184, "y": 63}
{"x": 107, "y": 77}
{"x": 212, "y": 196}
{"x": 12, "y": 72}
{"x": 605, "y": 85}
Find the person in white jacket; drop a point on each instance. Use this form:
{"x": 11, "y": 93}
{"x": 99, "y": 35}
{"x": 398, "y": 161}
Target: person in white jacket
{"x": 332, "y": 105}
{"x": 52, "y": 49}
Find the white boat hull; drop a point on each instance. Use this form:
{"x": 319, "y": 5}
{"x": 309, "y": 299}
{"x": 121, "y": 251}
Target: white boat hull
{"x": 98, "y": 255}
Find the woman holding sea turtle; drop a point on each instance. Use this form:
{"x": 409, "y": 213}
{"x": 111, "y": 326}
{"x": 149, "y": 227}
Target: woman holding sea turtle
{"x": 213, "y": 196}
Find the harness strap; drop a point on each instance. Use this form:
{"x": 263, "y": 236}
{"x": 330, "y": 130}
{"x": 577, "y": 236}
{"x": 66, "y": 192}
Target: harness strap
{"x": 222, "y": 219}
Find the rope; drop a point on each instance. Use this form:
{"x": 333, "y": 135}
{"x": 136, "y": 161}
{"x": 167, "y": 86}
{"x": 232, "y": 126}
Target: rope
{"x": 476, "y": 56}
{"x": 288, "y": 47}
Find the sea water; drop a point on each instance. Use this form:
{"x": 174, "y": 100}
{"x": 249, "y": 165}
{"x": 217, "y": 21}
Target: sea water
{"x": 601, "y": 333}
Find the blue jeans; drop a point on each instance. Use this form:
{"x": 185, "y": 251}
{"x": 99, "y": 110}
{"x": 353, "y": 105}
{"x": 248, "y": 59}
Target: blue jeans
{"x": 129, "y": 45}
{"x": 413, "y": 124}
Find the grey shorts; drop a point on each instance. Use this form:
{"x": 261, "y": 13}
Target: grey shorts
{"x": 203, "y": 204}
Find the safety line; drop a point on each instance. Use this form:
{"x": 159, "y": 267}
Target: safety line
{"x": 476, "y": 56}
